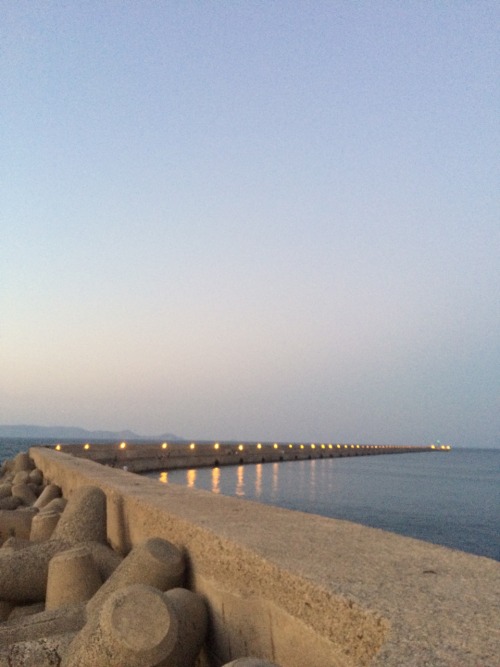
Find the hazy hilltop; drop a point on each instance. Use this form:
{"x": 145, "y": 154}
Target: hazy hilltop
{"x": 75, "y": 433}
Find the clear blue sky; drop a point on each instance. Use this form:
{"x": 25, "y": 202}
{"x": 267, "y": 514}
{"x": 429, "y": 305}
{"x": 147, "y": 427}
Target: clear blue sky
{"x": 270, "y": 220}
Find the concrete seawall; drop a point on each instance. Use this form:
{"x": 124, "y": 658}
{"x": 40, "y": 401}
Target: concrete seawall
{"x": 142, "y": 457}
{"x": 301, "y": 589}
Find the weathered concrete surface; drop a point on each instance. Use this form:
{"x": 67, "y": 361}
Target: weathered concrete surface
{"x": 5, "y": 609}
{"x": 136, "y": 627}
{"x": 50, "y": 492}
{"x": 43, "y": 525}
{"x": 23, "y": 572}
{"x": 84, "y": 517}
{"x": 21, "y": 611}
{"x": 43, "y": 652}
{"x": 191, "y": 612}
{"x": 16, "y": 524}
{"x": 44, "y": 624}
{"x": 154, "y": 562}
{"x": 300, "y": 589}
{"x": 73, "y": 577}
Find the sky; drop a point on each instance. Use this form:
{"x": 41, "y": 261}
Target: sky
{"x": 252, "y": 220}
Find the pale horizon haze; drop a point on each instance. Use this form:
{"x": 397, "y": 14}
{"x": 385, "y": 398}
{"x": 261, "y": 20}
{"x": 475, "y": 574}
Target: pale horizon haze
{"x": 252, "y": 220}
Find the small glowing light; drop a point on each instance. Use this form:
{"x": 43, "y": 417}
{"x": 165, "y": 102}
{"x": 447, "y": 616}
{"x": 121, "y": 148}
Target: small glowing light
{"x": 302, "y": 446}
{"x": 313, "y": 446}
{"x": 259, "y": 445}
{"x": 330, "y": 446}
{"x": 322, "y": 446}
{"x": 123, "y": 445}
{"x": 192, "y": 445}
{"x": 357, "y": 446}
{"x": 275, "y": 445}
{"x": 433, "y": 446}
{"x": 352, "y": 446}
{"x": 346, "y": 446}
{"x": 240, "y": 447}
{"x": 216, "y": 446}
{"x": 290, "y": 446}
{"x": 338, "y": 446}
{"x": 164, "y": 445}
{"x": 58, "y": 448}
{"x": 86, "y": 446}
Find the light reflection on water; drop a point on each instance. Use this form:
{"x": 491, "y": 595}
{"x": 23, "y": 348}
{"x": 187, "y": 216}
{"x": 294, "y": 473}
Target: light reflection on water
{"x": 449, "y": 499}
{"x": 312, "y": 485}
{"x": 240, "y": 481}
{"x": 258, "y": 481}
{"x": 275, "y": 480}
{"x": 216, "y": 480}
{"x": 191, "y": 477}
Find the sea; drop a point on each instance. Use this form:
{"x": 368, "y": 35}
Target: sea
{"x": 449, "y": 498}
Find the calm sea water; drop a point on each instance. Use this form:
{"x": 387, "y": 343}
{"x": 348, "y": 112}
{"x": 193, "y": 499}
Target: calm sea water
{"x": 449, "y": 498}
{"x": 9, "y": 447}
{"x": 452, "y": 498}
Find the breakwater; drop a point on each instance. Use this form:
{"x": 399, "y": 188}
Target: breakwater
{"x": 68, "y": 600}
{"x": 147, "y": 456}
{"x": 302, "y": 589}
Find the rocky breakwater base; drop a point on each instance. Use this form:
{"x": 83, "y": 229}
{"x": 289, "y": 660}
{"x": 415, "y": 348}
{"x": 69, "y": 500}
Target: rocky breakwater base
{"x": 67, "y": 599}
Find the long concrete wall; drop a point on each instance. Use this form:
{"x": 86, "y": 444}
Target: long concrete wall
{"x": 304, "y": 590}
{"x": 142, "y": 457}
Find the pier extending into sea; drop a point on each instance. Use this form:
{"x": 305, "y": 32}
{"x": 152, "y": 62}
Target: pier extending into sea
{"x": 151, "y": 456}
{"x": 296, "y": 588}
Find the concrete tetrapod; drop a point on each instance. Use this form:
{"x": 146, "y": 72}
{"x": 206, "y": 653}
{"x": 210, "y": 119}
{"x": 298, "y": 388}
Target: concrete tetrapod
{"x": 43, "y": 525}
{"x": 24, "y": 492}
{"x": 155, "y": 562}
{"x": 43, "y": 652}
{"x": 36, "y": 476}
{"x": 105, "y": 558}
{"x": 5, "y": 609}
{"x": 15, "y": 543}
{"x": 136, "y": 626}
{"x": 73, "y": 577}
{"x": 50, "y": 492}
{"x": 21, "y": 477}
{"x": 84, "y": 517}
{"x": 26, "y": 610}
{"x": 192, "y": 615}
{"x": 16, "y": 523}
{"x": 55, "y": 505}
{"x": 10, "y": 503}
{"x": 22, "y": 461}
{"x": 23, "y": 572}
{"x": 70, "y": 618}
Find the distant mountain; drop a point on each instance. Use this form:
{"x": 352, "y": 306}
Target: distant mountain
{"x": 167, "y": 436}
{"x": 75, "y": 433}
